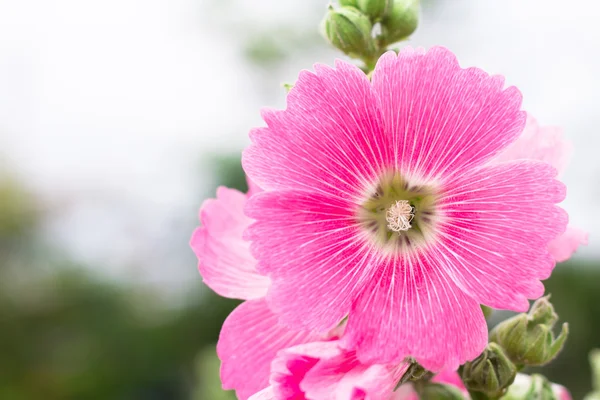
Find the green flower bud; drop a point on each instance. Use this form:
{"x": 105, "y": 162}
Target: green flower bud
{"x": 534, "y": 387}
{"x": 528, "y": 338}
{"x": 400, "y": 22}
{"x": 490, "y": 373}
{"x": 439, "y": 391}
{"x": 375, "y": 9}
{"x": 350, "y": 31}
{"x": 351, "y": 3}
{"x": 542, "y": 312}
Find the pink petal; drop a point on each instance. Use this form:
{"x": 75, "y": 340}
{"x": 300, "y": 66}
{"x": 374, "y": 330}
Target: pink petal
{"x": 325, "y": 371}
{"x": 563, "y": 247}
{"x": 412, "y": 308}
{"x": 291, "y": 366}
{"x": 561, "y": 392}
{"x": 307, "y": 245}
{"x": 253, "y": 188}
{"x": 250, "y": 338}
{"x": 497, "y": 223}
{"x": 329, "y": 139}
{"x": 546, "y": 144}
{"x": 373, "y": 382}
{"x": 265, "y": 394}
{"x": 442, "y": 118}
{"x": 539, "y": 143}
{"x": 405, "y": 392}
{"x": 225, "y": 262}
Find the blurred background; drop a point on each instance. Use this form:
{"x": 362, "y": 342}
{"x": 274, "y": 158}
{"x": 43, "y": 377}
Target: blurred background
{"x": 118, "y": 117}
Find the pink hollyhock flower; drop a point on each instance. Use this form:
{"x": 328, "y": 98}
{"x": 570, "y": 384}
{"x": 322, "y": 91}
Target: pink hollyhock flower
{"x": 326, "y": 371}
{"x": 380, "y": 203}
{"x": 546, "y": 144}
{"x": 251, "y": 336}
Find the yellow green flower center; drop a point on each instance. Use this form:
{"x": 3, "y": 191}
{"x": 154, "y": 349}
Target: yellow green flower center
{"x": 398, "y": 215}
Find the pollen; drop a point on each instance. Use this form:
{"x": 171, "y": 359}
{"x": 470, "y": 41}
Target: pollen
{"x": 399, "y": 216}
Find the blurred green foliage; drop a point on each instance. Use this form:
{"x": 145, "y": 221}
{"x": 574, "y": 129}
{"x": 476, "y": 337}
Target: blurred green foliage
{"x": 84, "y": 338}
{"x": 66, "y": 333}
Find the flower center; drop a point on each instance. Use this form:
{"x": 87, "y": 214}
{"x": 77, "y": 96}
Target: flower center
{"x": 399, "y": 216}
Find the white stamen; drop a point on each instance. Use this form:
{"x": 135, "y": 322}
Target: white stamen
{"x": 399, "y": 216}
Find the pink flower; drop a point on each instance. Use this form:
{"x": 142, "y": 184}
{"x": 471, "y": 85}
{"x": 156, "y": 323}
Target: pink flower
{"x": 251, "y": 336}
{"x": 326, "y": 371}
{"x": 380, "y": 203}
{"x": 546, "y": 144}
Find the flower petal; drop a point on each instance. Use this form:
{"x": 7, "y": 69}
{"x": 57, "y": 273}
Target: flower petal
{"x": 563, "y": 247}
{"x": 313, "y": 255}
{"x": 405, "y": 392}
{"x": 225, "y": 262}
{"x": 253, "y": 188}
{"x": 325, "y": 371}
{"x": 265, "y": 394}
{"x": 546, "y": 144}
{"x": 561, "y": 392}
{"x": 496, "y": 225}
{"x": 250, "y": 338}
{"x": 411, "y": 308}
{"x": 291, "y": 366}
{"x": 329, "y": 139}
{"x": 442, "y": 118}
{"x": 539, "y": 143}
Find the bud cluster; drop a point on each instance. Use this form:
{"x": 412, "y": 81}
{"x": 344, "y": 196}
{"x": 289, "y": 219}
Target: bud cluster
{"x": 352, "y": 27}
{"x": 528, "y": 338}
{"x": 523, "y": 340}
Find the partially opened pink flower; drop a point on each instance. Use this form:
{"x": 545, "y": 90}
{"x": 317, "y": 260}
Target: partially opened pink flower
{"x": 251, "y": 336}
{"x": 380, "y": 203}
{"x": 326, "y": 371}
{"x": 547, "y": 144}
